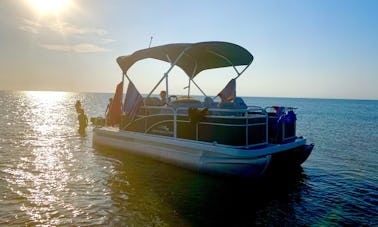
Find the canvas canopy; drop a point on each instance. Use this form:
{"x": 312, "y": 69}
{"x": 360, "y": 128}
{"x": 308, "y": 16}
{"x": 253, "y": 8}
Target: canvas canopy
{"x": 192, "y": 58}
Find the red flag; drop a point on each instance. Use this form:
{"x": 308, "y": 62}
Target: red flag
{"x": 115, "y": 108}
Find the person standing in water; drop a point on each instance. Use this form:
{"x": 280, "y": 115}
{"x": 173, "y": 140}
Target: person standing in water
{"x": 83, "y": 121}
{"x": 78, "y": 106}
{"x": 107, "y": 111}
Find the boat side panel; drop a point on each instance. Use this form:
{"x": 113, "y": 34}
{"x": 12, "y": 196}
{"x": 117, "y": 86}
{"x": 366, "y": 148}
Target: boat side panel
{"x": 238, "y": 167}
{"x": 187, "y": 157}
{"x": 291, "y": 158}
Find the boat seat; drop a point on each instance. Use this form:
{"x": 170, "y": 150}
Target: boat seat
{"x": 209, "y": 102}
{"x": 166, "y": 110}
{"x": 185, "y": 103}
{"x": 153, "y": 101}
{"x": 227, "y": 105}
{"x": 239, "y": 103}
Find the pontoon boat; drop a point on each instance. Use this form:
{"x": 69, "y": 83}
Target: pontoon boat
{"x": 226, "y": 137}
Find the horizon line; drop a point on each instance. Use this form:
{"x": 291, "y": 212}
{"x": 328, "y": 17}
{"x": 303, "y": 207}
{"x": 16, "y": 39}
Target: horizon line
{"x": 244, "y": 96}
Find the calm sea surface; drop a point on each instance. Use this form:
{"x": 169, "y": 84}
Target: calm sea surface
{"x": 49, "y": 175}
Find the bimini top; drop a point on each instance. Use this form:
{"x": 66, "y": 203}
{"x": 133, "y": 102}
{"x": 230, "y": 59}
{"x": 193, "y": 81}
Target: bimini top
{"x": 193, "y": 58}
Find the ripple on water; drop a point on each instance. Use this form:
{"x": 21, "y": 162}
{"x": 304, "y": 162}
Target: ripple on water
{"x": 51, "y": 176}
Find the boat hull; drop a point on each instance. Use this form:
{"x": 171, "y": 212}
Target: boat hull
{"x": 291, "y": 158}
{"x": 199, "y": 156}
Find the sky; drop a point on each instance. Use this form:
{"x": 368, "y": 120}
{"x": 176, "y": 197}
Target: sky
{"x": 304, "y": 49}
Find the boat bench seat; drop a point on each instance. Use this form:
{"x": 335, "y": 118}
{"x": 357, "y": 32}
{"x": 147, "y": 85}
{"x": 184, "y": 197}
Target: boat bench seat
{"x": 153, "y": 101}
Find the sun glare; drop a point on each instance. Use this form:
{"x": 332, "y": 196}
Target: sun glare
{"x": 47, "y": 97}
{"x": 49, "y": 6}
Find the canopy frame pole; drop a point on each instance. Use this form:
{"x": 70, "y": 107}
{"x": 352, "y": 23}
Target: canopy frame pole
{"x": 127, "y": 77}
{"x": 188, "y": 87}
{"x": 123, "y": 88}
{"x": 166, "y": 80}
{"x": 198, "y": 87}
{"x": 192, "y": 76}
{"x": 239, "y": 74}
{"x": 169, "y": 70}
{"x": 228, "y": 60}
{"x": 191, "y": 79}
{"x": 169, "y": 59}
{"x": 149, "y": 94}
{"x": 166, "y": 89}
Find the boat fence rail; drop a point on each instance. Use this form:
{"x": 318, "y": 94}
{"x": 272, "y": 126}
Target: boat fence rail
{"x": 154, "y": 116}
{"x": 282, "y": 123}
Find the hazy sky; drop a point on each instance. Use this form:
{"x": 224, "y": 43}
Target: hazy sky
{"x": 321, "y": 49}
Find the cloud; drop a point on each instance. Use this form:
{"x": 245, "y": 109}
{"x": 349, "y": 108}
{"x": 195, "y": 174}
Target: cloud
{"x": 79, "y": 48}
{"x": 88, "y": 48}
{"x": 30, "y": 26}
{"x": 70, "y": 29}
{"x": 105, "y": 40}
{"x": 56, "y": 47}
{"x": 66, "y": 29}
{"x": 59, "y": 27}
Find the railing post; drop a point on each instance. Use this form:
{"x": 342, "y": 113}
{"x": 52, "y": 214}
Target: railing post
{"x": 197, "y": 131}
{"x": 283, "y": 131}
{"x": 246, "y": 128}
{"x": 174, "y": 123}
{"x": 266, "y": 127}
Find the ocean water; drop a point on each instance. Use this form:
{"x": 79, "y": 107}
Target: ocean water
{"x": 50, "y": 175}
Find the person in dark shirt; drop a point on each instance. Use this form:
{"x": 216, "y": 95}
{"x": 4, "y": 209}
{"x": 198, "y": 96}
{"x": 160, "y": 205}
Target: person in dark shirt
{"x": 163, "y": 96}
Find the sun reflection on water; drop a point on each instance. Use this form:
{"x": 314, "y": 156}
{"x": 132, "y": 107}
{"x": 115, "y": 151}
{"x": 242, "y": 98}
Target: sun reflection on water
{"x": 42, "y": 176}
{"x": 50, "y": 96}
{"x": 48, "y": 112}
{"x": 49, "y": 174}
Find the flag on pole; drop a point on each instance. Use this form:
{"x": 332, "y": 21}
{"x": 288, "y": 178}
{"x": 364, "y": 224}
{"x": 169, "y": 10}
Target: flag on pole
{"x": 132, "y": 101}
{"x": 229, "y": 92}
{"x": 115, "y": 108}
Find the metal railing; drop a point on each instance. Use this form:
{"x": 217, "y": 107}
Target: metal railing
{"x": 280, "y": 111}
{"x": 252, "y": 112}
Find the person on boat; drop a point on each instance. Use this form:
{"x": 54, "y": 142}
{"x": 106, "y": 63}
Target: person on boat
{"x": 83, "y": 121}
{"x": 107, "y": 111}
{"x": 78, "y": 106}
{"x": 163, "y": 96}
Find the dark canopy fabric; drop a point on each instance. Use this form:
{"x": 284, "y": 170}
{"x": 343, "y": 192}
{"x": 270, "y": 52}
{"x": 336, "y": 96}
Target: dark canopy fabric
{"x": 197, "y": 56}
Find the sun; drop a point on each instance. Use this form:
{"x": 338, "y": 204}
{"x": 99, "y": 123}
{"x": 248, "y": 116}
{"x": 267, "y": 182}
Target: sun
{"x": 49, "y": 6}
